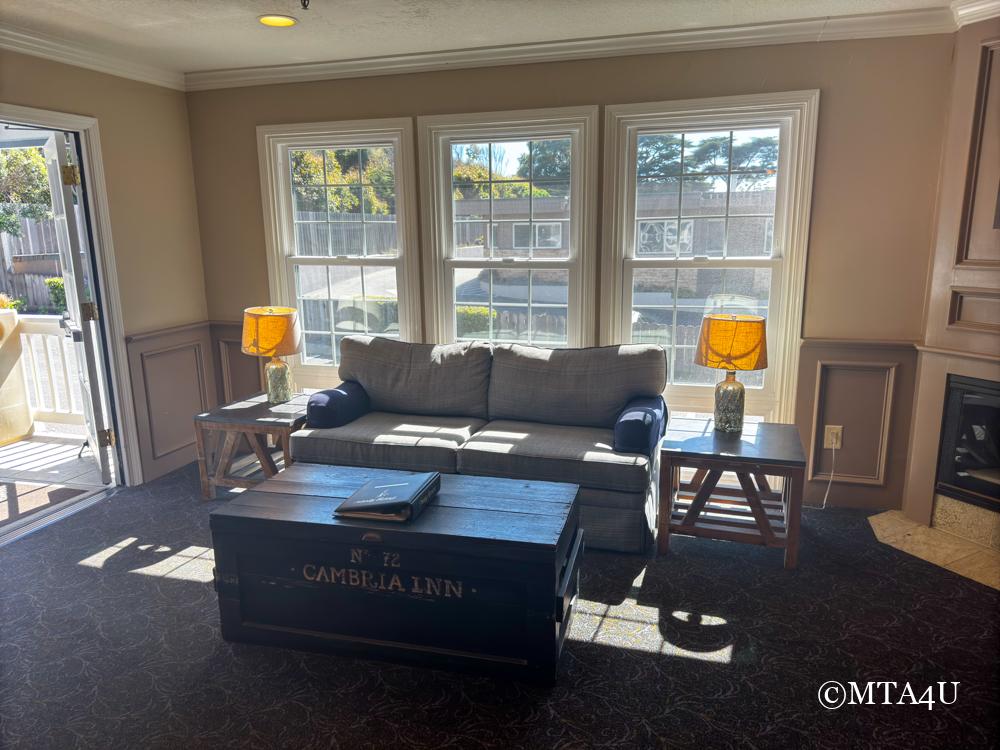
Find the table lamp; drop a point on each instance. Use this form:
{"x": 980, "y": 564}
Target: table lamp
{"x": 731, "y": 343}
{"x": 273, "y": 332}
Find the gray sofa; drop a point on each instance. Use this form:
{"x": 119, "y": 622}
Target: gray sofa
{"x": 508, "y": 410}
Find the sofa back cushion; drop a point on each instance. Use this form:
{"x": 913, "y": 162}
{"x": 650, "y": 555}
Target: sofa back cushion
{"x": 584, "y": 387}
{"x": 448, "y": 380}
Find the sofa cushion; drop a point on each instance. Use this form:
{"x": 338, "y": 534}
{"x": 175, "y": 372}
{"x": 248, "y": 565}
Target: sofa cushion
{"x": 388, "y": 441}
{"x": 447, "y": 380}
{"x": 556, "y": 453}
{"x": 585, "y": 387}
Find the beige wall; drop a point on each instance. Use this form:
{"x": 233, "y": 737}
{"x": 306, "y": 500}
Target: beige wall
{"x": 882, "y": 114}
{"x": 881, "y": 117}
{"x": 147, "y": 161}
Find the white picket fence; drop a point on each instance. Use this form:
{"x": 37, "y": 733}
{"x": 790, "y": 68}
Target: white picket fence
{"x": 48, "y": 359}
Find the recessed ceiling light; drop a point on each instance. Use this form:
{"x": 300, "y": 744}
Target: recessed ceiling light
{"x": 278, "y": 20}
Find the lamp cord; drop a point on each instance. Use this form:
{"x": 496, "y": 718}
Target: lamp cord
{"x": 829, "y": 484}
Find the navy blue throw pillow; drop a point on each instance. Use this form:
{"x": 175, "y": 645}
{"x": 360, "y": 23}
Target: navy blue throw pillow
{"x": 337, "y": 406}
{"x": 641, "y": 425}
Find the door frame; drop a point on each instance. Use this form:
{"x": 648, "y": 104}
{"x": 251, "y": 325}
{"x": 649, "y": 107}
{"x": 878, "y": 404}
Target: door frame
{"x": 123, "y": 420}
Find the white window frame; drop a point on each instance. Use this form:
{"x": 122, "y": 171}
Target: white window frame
{"x": 794, "y": 113}
{"x": 273, "y": 144}
{"x": 436, "y": 134}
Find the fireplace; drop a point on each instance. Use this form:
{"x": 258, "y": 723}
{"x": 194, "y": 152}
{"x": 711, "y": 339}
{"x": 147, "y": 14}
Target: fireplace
{"x": 969, "y": 458}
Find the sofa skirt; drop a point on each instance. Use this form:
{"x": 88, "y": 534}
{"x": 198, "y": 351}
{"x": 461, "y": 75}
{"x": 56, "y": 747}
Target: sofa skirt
{"x": 621, "y": 521}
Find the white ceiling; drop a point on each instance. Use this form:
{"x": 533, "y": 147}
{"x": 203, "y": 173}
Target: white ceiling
{"x": 197, "y": 35}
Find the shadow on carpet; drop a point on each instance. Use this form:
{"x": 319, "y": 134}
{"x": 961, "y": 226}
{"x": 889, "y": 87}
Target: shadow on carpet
{"x": 109, "y": 637}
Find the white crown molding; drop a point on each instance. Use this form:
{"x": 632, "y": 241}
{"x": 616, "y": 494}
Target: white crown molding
{"x": 75, "y": 53}
{"x": 972, "y": 11}
{"x": 942, "y": 20}
{"x": 906, "y": 23}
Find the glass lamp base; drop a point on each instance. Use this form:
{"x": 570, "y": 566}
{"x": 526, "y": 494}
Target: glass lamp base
{"x": 729, "y": 401}
{"x": 279, "y": 381}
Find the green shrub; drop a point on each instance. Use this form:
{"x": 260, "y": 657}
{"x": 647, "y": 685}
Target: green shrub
{"x": 473, "y": 320}
{"x": 57, "y": 293}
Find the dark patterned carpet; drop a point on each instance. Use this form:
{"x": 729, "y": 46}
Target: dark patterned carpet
{"x": 713, "y": 646}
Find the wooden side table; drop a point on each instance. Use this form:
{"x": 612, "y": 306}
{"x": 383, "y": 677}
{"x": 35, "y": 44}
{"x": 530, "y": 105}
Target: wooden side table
{"x": 753, "y": 513}
{"x": 218, "y": 434}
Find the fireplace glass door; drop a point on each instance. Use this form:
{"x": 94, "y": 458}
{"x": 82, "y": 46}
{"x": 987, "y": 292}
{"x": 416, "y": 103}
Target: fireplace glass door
{"x": 969, "y": 464}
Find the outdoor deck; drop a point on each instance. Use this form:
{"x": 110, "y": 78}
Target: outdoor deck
{"x": 49, "y": 459}
{"x": 42, "y": 471}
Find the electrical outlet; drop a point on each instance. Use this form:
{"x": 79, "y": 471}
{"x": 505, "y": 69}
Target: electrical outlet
{"x": 833, "y": 436}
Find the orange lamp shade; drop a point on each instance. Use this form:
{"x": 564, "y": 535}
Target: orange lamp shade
{"x": 732, "y": 342}
{"x": 271, "y": 331}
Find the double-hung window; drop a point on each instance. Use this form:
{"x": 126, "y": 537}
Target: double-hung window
{"x": 509, "y": 226}
{"x": 341, "y": 234}
{"x": 708, "y": 213}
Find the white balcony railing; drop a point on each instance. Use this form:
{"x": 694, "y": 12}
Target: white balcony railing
{"x": 48, "y": 359}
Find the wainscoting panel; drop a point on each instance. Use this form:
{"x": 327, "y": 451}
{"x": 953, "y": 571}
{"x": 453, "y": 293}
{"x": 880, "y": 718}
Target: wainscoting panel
{"x": 173, "y": 378}
{"x": 867, "y": 387}
{"x": 859, "y": 395}
{"x": 239, "y": 375}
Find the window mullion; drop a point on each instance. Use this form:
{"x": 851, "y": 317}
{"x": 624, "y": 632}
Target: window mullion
{"x": 531, "y": 327}
{"x": 729, "y": 194}
{"x": 489, "y": 188}
{"x": 749, "y": 262}
{"x": 490, "y": 297}
{"x": 364, "y": 298}
{"x": 532, "y": 240}
{"x": 673, "y": 328}
{"x": 334, "y": 354}
{"x": 344, "y": 260}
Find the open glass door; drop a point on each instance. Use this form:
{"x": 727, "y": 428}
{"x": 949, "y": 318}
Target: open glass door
{"x": 81, "y": 323}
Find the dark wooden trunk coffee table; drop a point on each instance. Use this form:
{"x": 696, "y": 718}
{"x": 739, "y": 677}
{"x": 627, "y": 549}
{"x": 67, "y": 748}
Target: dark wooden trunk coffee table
{"x": 754, "y": 513}
{"x": 486, "y": 577}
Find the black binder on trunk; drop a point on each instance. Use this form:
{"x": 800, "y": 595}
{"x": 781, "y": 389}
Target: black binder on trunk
{"x": 396, "y": 499}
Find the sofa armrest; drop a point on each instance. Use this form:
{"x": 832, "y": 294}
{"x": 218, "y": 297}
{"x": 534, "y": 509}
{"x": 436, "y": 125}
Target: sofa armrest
{"x": 641, "y": 425}
{"x": 337, "y": 406}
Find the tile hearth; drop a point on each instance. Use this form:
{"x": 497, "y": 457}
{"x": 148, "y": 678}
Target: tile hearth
{"x": 961, "y": 556}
